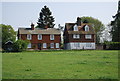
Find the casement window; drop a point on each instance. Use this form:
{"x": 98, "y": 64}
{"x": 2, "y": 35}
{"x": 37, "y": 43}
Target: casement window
{"x": 29, "y": 36}
{"x": 88, "y": 36}
{"x": 29, "y": 45}
{"x": 57, "y": 45}
{"x": 44, "y": 45}
{"x": 88, "y": 45}
{"x": 75, "y": 28}
{"x": 51, "y": 37}
{"x": 86, "y": 28}
{"x": 51, "y": 45}
{"x": 76, "y": 36}
{"x": 39, "y": 37}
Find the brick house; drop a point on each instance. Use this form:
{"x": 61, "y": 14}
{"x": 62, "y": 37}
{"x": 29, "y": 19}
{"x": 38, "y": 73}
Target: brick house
{"x": 79, "y": 35}
{"x": 41, "y": 39}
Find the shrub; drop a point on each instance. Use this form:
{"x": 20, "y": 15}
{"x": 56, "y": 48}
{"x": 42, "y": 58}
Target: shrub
{"x": 113, "y": 45}
{"x": 20, "y": 45}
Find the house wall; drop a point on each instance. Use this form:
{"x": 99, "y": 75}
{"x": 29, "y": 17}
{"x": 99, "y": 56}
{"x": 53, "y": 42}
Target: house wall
{"x": 69, "y": 38}
{"x": 45, "y": 39}
{"x": 80, "y": 45}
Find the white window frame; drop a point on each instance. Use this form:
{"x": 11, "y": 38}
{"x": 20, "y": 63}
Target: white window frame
{"x": 44, "y": 45}
{"x": 75, "y": 28}
{"x": 29, "y": 45}
{"x": 57, "y": 45}
{"x": 88, "y": 36}
{"x": 52, "y": 37}
{"x": 39, "y": 36}
{"x": 29, "y": 36}
{"x": 86, "y": 28}
{"x": 76, "y": 36}
{"x": 51, "y": 45}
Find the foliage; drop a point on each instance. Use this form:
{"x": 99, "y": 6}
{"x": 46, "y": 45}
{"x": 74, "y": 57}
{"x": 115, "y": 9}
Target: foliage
{"x": 113, "y": 45}
{"x": 98, "y": 26}
{"x": 116, "y": 26}
{"x": 8, "y": 34}
{"x": 20, "y": 45}
{"x": 46, "y": 18}
{"x": 65, "y": 64}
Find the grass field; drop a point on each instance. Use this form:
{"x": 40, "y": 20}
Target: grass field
{"x": 90, "y": 64}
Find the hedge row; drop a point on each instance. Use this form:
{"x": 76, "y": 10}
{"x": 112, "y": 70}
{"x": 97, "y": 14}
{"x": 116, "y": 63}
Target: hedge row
{"x": 113, "y": 45}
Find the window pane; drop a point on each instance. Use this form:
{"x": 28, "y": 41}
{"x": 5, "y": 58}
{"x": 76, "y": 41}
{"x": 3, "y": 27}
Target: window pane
{"x": 44, "y": 45}
{"x": 51, "y": 45}
{"x": 88, "y": 36}
{"x": 75, "y": 28}
{"x": 57, "y": 45}
{"x": 51, "y": 37}
{"x": 86, "y": 28}
{"x": 76, "y": 36}
{"x": 29, "y": 45}
{"x": 29, "y": 37}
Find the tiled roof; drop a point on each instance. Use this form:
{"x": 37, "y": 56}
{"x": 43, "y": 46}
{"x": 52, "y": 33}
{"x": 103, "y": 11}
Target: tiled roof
{"x": 69, "y": 26}
{"x": 38, "y": 31}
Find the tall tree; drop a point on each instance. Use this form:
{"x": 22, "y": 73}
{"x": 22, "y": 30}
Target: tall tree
{"x": 98, "y": 26}
{"x": 46, "y": 18}
{"x": 8, "y": 34}
{"x": 115, "y": 31}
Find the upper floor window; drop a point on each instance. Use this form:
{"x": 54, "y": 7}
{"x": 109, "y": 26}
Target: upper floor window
{"x": 76, "y": 36}
{"x": 29, "y": 36}
{"x": 88, "y": 36}
{"x": 39, "y": 37}
{"x": 75, "y": 28}
{"x": 86, "y": 28}
{"x": 51, "y": 37}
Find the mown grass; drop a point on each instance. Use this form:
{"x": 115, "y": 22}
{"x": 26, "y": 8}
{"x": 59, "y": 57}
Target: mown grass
{"x": 91, "y": 64}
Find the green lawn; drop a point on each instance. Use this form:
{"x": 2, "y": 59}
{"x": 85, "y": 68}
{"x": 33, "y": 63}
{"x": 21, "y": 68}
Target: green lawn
{"x": 90, "y": 64}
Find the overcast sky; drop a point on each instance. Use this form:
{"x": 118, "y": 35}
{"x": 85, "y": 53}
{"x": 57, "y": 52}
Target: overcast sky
{"x": 21, "y": 14}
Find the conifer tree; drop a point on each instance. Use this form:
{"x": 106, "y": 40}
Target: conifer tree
{"x": 115, "y": 31}
{"x": 45, "y": 18}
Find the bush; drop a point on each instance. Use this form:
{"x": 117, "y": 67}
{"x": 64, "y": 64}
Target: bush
{"x": 20, "y": 45}
{"x": 113, "y": 45}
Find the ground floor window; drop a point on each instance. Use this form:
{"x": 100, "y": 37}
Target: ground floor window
{"x": 29, "y": 45}
{"x": 51, "y": 45}
{"x": 57, "y": 45}
{"x": 44, "y": 45}
{"x": 88, "y": 45}
{"x": 77, "y": 45}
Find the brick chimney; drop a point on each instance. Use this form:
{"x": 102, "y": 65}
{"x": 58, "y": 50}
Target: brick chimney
{"x": 32, "y": 26}
{"x": 78, "y": 21}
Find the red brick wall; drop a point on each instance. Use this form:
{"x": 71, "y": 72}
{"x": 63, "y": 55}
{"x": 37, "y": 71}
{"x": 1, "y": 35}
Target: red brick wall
{"x": 45, "y": 39}
{"x": 69, "y": 38}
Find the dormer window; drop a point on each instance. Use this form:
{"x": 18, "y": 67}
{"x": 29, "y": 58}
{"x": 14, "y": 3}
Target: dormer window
{"x": 86, "y": 28}
{"x": 75, "y": 28}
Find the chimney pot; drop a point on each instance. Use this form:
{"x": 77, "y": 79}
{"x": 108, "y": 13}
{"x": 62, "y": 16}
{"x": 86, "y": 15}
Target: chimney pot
{"x": 78, "y": 21}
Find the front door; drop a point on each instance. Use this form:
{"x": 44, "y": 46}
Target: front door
{"x": 39, "y": 46}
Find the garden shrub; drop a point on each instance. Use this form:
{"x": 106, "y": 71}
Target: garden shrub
{"x": 20, "y": 45}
